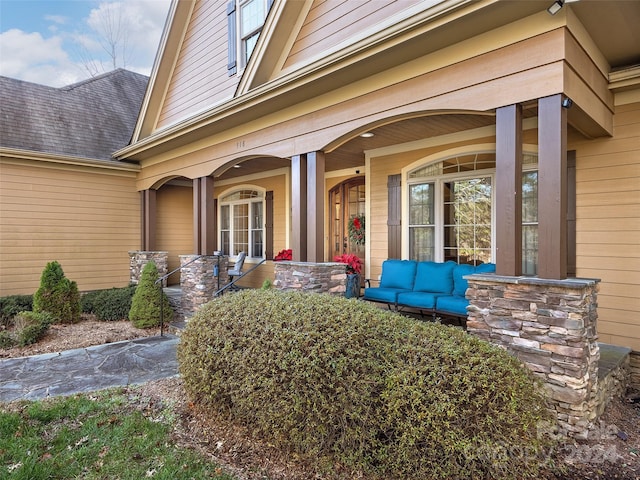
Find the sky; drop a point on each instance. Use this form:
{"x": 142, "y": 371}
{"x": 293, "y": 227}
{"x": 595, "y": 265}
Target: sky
{"x": 57, "y": 43}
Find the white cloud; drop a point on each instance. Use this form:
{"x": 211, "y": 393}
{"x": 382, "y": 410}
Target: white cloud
{"x": 30, "y": 57}
{"x": 73, "y": 49}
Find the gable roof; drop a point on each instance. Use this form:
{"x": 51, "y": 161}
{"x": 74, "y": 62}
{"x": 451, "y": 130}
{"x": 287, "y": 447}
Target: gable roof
{"x": 90, "y": 119}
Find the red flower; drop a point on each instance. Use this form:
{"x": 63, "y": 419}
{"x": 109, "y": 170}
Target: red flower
{"x": 356, "y": 223}
{"x": 354, "y": 264}
{"x": 283, "y": 255}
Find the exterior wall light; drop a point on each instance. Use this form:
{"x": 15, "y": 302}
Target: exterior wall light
{"x": 555, "y": 7}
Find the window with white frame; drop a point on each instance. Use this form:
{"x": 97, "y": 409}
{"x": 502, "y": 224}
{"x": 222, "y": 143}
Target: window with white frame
{"x": 250, "y": 21}
{"x": 241, "y": 221}
{"x": 451, "y": 210}
{"x": 245, "y": 19}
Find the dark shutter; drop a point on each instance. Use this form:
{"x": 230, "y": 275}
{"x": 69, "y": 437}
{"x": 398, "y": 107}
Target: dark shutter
{"x": 232, "y": 38}
{"x": 571, "y": 213}
{"x": 268, "y": 227}
{"x": 394, "y": 230}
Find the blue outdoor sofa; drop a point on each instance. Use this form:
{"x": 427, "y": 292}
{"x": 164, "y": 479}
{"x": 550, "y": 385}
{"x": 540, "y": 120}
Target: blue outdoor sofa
{"x": 437, "y": 288}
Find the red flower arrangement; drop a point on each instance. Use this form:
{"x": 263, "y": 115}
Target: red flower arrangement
{"x": 354, "y": 264}
{"x": 356, "y": 229}
{"x": 283, "y": 255}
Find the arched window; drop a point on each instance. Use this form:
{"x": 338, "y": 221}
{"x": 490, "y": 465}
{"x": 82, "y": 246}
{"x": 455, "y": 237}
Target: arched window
{"x": 242, "y": 223}
{"x": 451, "y": 210}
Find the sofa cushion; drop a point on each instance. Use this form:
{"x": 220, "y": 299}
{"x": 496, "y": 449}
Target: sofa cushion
{"x": 434, "y": 277}
{"x": 460, "y": 285}
{"x": 486, "y": 268}
{"x": 452, "y": 304}
{"x": 418, "y": 299}
{"x": 398, "y": 274}
{"x": 384, "y": 295}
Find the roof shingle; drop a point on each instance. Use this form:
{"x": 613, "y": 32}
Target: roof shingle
{"x": 89, "y": 119}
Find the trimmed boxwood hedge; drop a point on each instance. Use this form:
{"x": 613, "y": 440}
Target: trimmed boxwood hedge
{"x": 341, "y": 382}
{"x": 109, "y": 305}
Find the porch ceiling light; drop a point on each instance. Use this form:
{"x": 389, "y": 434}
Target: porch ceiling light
{"x": 366, "y": 135}
{"x": 236, "y": 166}
{"x": 555, "y": 7}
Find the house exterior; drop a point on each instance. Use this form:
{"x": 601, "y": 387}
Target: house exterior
{"x": 471, "y": 131}
{"x": 62, "y": 196}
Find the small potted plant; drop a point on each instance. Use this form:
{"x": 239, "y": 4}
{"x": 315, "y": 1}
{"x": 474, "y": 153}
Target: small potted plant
{"x": 354, "y": 269}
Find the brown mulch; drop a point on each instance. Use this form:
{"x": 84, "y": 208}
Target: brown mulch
{"x": 612, "y": 450}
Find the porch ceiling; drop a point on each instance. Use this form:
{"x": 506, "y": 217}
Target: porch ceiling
{"x": 350, "y": 154}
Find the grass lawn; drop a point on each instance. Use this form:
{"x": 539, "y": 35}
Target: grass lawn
{"x": 112, "y": 434}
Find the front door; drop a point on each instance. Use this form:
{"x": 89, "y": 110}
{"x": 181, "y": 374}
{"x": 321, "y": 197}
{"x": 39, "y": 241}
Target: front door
{"x": 346, "y": 202}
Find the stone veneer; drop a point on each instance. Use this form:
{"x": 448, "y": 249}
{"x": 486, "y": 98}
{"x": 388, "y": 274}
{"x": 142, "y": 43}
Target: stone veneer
{"x": 327, "y": 277}
{"x": 550, "y": 325}
{"x": 139, "y": 258}
{"x": 198, "y": 282}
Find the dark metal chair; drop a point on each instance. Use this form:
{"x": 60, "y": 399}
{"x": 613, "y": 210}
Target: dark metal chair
{"x": 236, "y": 271}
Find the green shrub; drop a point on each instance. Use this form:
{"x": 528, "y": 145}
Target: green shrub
{"x": 7, "y": 340}
{"x": 346, "y": 383}
{"x": 32, "y": 326}
{"x": 145, "y": 304}
{"x": 28, "y": 328}
{"x": 12, "y": 305}
{"x": 57, "y": 295}
{"x": 266, "y": 285}
{"x": 109, "y": 305}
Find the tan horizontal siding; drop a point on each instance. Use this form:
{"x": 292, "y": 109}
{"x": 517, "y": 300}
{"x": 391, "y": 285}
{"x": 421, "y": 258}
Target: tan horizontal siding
{"x": 86, "y": 219}
{"x": 608, "y": 225}
{"x": 330, "y": 23}
{"x": 200, "y": 77}
{"x": 174, "y": 225}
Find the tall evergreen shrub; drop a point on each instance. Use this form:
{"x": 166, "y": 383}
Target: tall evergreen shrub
{"x": 57, "y": 295}
{"x": 145, "y": 304}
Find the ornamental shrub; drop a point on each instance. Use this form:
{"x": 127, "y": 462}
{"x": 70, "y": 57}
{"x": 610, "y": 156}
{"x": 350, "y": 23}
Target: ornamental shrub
{"x": 32, "y": 326}
{"x": 109, "y": 305}
{"x": 344, "y": 383}
{"x": 145, "y": 304}
{"x": 12, "y": 305}
{"x": 28, "y": 328}
{"x": 57, "y": 295}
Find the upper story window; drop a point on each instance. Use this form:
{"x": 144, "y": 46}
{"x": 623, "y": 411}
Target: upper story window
{"x": 245, "y": 21}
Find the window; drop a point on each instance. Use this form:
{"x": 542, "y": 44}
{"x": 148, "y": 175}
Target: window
{"x": 530, "y": 223}
{"x": 421, "y": 222}
{"x": 245, "y": 19}
{"x": 242, "y": 223}
{"x": 252, "y": 15}
{"x": 451, "y": 210}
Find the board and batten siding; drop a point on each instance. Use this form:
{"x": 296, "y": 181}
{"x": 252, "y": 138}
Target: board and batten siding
{"x": 174, "y": 224}
{"x": 200, "y": 78}
{"x": 330, "y": 23}
{"x": 608, "y": 225}
{"x": 85, "y": 218}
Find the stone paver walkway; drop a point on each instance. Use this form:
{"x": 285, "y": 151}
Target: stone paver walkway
{"x": 88, "y": 369}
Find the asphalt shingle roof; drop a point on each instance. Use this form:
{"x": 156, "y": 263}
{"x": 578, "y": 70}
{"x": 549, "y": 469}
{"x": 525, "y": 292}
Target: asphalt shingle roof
{"x": 89, "y": 119}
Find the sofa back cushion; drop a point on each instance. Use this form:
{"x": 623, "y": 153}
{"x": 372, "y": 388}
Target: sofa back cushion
{"x": 486, "y": 268}
{"x": 460, "y": 285}
{"x": 398, "y": 274}
{"x": 434, "y": 277}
